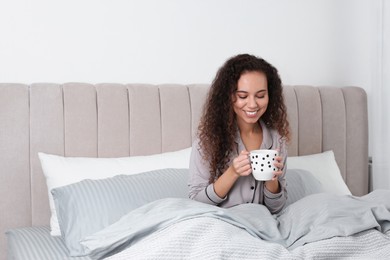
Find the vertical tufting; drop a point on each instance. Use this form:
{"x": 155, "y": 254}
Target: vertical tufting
{"x": 357, "y": 137}
{"x": 46, "y": 135}
{"x": 15, "y": 200}
{"x": 292, "y": 115}
{"x": 198, "y": 94}
{"x": 175, "y": 117}
{"x": 113, "y": 120}
{"x": 334, "y": 124}
{"x": 80, "y": 120}
{"x": 145, "y": 119}
{"x": 309, "y": 120}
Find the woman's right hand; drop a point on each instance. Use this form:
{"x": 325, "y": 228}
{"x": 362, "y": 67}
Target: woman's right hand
{"x": 241, "y": 164}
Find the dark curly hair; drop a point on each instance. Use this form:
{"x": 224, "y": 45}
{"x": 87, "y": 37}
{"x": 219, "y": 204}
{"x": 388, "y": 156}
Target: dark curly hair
{"x": 218, "y": 127}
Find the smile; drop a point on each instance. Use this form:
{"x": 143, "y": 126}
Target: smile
{"x": 251, "y": 113}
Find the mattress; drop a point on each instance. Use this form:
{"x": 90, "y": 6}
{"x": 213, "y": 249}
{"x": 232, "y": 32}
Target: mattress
{"x": 33, "y": 243}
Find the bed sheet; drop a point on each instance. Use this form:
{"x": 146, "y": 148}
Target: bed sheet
{"x": 319, "y": 226}
{"x": 213, "y": 239}
{"x": 355, "y": 227}
{"x": 34, "y": 243}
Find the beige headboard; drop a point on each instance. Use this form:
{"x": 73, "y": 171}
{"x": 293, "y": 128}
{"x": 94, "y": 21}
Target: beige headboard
{"x": 112, "y": 120}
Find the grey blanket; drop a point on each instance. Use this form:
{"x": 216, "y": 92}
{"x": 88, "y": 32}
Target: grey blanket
{"x": 314, "y": 218}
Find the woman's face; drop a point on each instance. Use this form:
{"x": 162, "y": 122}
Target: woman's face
{"x": 251, "y": 98}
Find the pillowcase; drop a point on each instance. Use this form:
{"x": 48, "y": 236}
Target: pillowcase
{"x": 60, "y": 171}
{"x": 88, "y": 206}
{"x": 301, "y": 183}
{"x": 324, "y": 167}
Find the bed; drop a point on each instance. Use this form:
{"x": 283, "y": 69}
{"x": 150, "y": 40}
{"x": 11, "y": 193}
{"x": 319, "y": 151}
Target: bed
{"x": 92, "y": 171}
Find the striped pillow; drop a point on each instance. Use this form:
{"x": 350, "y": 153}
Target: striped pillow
{"x": 36, "y": 243}
{"x": 301, "y": 183}
{"x": 88, "y": 206}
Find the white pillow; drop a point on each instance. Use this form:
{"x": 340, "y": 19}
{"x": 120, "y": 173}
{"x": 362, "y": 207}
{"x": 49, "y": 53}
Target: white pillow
{"x": 60, "y": 171}
{"x": 324, "y": 167}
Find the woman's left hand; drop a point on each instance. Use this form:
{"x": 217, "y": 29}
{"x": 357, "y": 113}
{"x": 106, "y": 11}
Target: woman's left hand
{"x": 279, "y": 165}
{"x": 273, "y": 184}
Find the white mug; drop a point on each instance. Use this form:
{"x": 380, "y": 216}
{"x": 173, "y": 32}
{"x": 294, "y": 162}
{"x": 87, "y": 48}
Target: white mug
{"x": 262, "y": 163}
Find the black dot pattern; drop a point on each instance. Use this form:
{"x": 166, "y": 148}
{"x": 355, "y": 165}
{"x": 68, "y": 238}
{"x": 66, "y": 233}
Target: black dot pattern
{"x": 262, "y": 162}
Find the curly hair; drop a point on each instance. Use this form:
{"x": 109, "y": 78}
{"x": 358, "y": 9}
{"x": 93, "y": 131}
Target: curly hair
{"x": 218, "y": 126}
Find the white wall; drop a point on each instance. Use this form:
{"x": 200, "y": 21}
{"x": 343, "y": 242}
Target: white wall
{"x": 380, "y": 123}
{"x": 315, "y": 42}
{"x": 155, "y": 41}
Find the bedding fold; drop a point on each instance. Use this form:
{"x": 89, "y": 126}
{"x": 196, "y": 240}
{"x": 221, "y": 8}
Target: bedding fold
{"x": 313, "y": 218}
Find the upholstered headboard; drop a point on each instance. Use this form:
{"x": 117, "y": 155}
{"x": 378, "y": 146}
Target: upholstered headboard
{"x": 114, "y": 120}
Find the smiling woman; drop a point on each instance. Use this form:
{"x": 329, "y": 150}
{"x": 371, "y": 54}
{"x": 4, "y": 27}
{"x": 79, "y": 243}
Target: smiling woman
{"x": 250, "y": 89}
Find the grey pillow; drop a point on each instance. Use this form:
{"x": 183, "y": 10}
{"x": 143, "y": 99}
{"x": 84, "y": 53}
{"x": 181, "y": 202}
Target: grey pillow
{"x": 301, "y": 183}
{"x": 88, "y": 206}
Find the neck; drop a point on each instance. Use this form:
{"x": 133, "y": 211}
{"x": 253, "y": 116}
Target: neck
{"x": 248, "y": 129}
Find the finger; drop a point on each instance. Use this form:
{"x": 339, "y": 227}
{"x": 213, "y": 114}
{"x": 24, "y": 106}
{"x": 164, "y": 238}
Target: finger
{"x": 241, "y": 160}
{"x": 278, "y": 165}
{"x": 246, "y": 170}
{"x": 247, "y": 167}
{"x": 243, "y": 163}
{"x": 243, "y": 157}
{"x": 278, "y": 158}
{"x": 243, "y": 170}
{"x": 277, "y": 173}
{"x": 244, "y": 152}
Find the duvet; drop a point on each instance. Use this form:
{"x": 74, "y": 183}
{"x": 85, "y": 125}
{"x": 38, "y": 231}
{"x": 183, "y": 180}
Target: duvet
{"x": 319, "y": 226}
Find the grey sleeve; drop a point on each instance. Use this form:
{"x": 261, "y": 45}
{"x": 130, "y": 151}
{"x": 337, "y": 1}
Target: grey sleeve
{"x": 276, "y": 201}
{"x": 199, "y": 187}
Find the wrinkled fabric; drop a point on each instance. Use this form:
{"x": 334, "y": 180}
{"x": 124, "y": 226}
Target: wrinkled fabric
{"x": 313, "y": 218}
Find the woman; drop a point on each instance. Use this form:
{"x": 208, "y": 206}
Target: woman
{"x": 244, "y": 111}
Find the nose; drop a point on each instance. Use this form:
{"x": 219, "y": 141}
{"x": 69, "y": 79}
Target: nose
{"x": 252, "y": 102}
